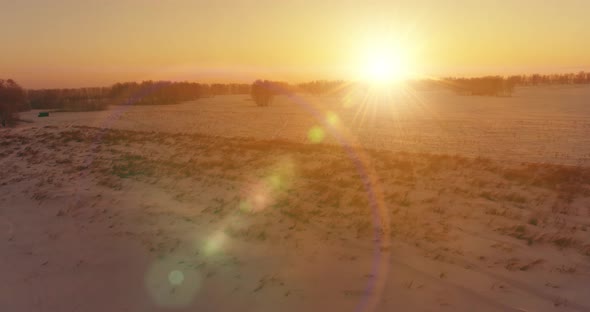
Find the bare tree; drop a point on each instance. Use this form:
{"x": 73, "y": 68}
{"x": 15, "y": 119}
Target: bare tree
{"x": 12, "y": 100}
{"x": 262, "y": 92}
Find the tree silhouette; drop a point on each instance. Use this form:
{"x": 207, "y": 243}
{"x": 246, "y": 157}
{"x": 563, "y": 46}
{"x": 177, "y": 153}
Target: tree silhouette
{"x": 262, "y": 92}
{"x": 12, "y": 100}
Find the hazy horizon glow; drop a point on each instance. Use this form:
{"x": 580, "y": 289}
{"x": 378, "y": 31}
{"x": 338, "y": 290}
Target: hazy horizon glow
{"x": 66, "y": 43}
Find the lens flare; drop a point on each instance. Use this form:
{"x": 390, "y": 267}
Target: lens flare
{"x": 316, "y": 134}
{"x": 176, "y": 277}
{"x": 214, "y": 244}
{"x": 262, "y": 193}
{"x": 332, "y": 119}
{"x": 170, "y": 285}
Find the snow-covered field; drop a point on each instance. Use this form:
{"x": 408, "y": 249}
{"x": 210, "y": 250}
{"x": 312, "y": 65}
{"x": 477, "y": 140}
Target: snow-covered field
{"x": 537, "y": 124}
{"x": 219, "y": 205}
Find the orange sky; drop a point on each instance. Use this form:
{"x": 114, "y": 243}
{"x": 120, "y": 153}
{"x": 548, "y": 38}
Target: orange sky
{"x": 62, "y": 43}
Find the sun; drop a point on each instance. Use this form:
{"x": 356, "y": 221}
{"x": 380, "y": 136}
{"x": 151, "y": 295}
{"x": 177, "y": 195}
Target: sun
{"x": 382, "y": 66}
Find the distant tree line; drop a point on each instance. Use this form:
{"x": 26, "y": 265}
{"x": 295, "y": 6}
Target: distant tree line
{"x": 144, "y": 93}
{"x": 263, "y": 91}
{"x": 553, "y": 79}
{"x": 80, "y": 99}
{"x": 322, "y": 87}
{"x": 155, "y": 92}
{"x": 486, "y": 86}
{"x": 490, "y": 85}
{"x": 167, "y": 92}
{"x": 498, "y": 85}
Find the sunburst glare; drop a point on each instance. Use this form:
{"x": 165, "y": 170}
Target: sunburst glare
{"x": 384, "y": 64}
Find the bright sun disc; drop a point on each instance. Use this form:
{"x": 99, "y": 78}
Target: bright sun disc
{"x": 384, "y": 67}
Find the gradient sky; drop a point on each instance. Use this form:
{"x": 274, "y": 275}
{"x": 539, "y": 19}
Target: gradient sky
{"x": 62, "y": 43}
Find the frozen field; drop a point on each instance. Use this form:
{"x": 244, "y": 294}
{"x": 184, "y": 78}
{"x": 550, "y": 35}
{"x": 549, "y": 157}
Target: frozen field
{"x": 537, "y": 124}
{"x": 171, "y": 208}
